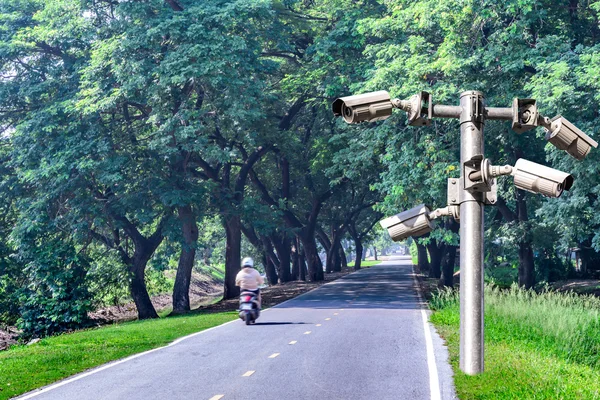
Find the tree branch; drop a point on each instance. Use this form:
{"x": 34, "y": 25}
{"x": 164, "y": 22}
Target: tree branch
{"x": 174, "y": 5}
{"x": 243, "y": 174}
{"x": 286, "y": 121}
{"x": 506, "y": 212}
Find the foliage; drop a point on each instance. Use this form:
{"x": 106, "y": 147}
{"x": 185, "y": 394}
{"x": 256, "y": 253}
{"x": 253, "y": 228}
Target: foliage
{"x": 115, "y": 115}
{"x": 107, "y": 279}
{"x": 56, "y": 297}
{"x": 12, "y": 279}
{"x": 413, "y": 252}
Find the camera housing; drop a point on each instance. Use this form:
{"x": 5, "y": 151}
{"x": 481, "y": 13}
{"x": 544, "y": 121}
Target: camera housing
{"x": 368, "y": 107}
{"x": 525, "y": 115}
{"x": 413, "y": 222}
{"x": 537, "y": 178}
{"x": 566, "y": 136}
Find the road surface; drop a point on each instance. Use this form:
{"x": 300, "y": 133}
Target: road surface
{"x": 359, "y": 337}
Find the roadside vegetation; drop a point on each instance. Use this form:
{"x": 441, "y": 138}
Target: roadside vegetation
{"x": 365, "y": 264}
{"x": 537, "y": 345}
{"x": 24, "y": 368}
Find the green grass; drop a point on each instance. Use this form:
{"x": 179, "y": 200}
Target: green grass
{"x": 537, "y": 346}
{"x": 23, "y": 368}
{"x": 365, "y": 264}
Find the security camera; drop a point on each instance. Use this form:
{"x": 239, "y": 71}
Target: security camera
{"x": 525, "y": 115}
{"x": 414, "y": 222}
{"x": 537, "y": 178}
{"x": 566, "y": 136}
{"x": 375, "y": 106}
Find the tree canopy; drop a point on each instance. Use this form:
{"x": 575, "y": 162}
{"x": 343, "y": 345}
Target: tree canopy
{"x": 138, "y": 135}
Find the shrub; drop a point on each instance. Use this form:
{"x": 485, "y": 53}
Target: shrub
{"x": 56, "y": 297}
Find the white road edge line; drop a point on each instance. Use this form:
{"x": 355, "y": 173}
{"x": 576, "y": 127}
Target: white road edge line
{"x": 434, "y": 383}
{"x": 112, "y": 364}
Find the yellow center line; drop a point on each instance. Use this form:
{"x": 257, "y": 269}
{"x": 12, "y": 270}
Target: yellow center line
{"x": 327, "y": 319}
{"x": 273, "y": 355}
{"x": 217, "y": 397}
{"x": 307, "y": 333}
{"x": 249, "y": 373}
{"x": 293, "y": 342}
{"x": 318, "y": 324}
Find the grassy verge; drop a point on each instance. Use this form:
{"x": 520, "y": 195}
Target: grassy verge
{"x": 23, "y": 368}
{"x": 365, "y": 264}
{"x": 537, "y": 346}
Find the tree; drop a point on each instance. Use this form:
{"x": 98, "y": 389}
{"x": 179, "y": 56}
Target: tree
{"x": 506, "y": 51}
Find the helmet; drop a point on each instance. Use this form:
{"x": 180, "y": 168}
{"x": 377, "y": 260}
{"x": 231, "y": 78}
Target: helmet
{"x": 247, "y": 262}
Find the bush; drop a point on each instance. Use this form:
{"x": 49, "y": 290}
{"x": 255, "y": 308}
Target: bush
{"x": 552, "y": 269}
{"x": 158, "y": 283}
{"x": 56, "y": 298}
{"x": 11, "y": 280}
{"x": 502, "y": 276}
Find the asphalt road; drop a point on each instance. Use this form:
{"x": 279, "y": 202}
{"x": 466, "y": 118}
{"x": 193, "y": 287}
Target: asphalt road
{"x": 359, "y": 337}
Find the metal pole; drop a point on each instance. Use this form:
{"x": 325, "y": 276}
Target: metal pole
{"x": 472, "y": 120}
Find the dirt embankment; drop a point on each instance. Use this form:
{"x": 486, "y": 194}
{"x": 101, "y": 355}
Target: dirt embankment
{"x": 203, "y": 291}
{"x": 204, "y": 297}
{"x": 276, "y": 294}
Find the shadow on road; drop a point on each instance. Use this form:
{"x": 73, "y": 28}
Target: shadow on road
{"x": 280, "y": 323}
{"x": 381, "y": 287}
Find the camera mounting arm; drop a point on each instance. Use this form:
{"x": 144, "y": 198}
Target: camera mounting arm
{"x": 488, "y": 172}
{"x": 448, "y": 211}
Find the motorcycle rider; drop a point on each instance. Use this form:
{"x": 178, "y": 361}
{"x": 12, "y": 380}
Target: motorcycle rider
{"x": 248, "y": 279}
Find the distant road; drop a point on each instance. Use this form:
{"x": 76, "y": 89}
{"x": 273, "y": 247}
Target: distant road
{"x": 359, "y": 337}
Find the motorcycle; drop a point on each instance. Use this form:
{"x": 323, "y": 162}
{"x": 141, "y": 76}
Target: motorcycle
{"x": 249, "y": 307}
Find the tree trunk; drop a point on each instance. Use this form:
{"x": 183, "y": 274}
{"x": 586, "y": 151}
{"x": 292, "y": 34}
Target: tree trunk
{"x": 302, "y": 264}
{"x": 423, "y": 262}
{"x": 526, "y": 266}
{"x": 359, "y": 253}
{"x": 323, "y": 239}
{"x": 283, "y": 247}
{"x": 270, "y": 270}
{"x": 295, "y": 260}
{"x": 332, "y": 256}
{"x": 189, "y": 230}
{"x": 375, "y": 252}
{"x": 343, "y": 259}
{"x": 313, "y": 263}
{"x": 329, "y": 262}
{"x": 270, "y": 260}
{"x": 334, "y": 263}
{"x": 436, "y": 254}
{"x": 448, "y": 268}
{"x": 337, "y": 262}
{"x": 137, "y": 285}
{"x": 144, "y": 248}
{"x": 232, "y": 256}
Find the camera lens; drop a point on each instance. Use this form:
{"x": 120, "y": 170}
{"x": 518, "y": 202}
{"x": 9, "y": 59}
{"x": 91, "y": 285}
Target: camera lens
{"x": 347, "y": 111}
